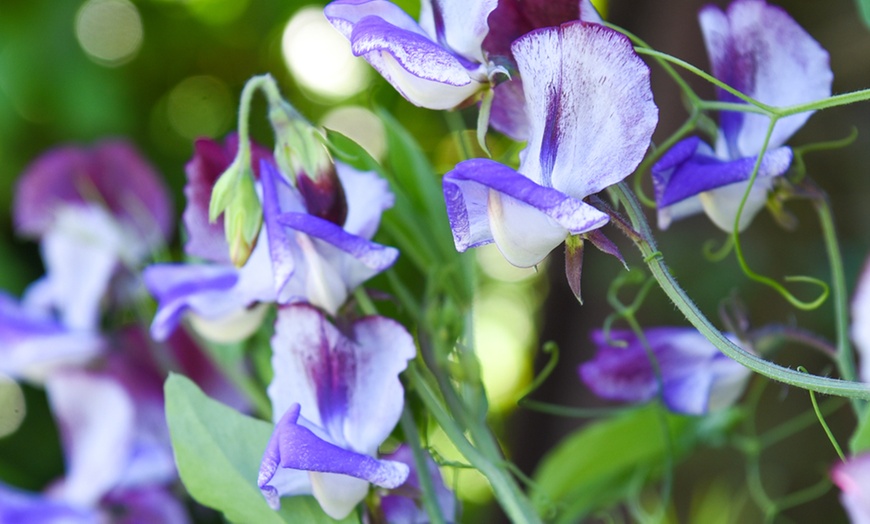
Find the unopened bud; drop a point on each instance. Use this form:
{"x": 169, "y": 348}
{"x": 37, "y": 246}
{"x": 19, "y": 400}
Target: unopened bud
{"x": 243, "y": 219}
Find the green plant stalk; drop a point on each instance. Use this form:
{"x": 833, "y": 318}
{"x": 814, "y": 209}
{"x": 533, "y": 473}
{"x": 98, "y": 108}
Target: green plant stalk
{"x": 430, "y": 499}
{"x": 643, "y": 239}
{"x": 514, "y": 502}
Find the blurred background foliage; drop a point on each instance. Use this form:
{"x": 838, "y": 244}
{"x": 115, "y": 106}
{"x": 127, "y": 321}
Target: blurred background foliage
{"x": 164, "y": 72}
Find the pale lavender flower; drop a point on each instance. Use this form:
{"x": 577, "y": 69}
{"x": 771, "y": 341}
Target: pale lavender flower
{"x": 591, "y": 112}
{"x": 761, "y": 51}
{"x": 336, "y": 396}
{"x": 853, "y": 479}
{"x": 695, "y": 376}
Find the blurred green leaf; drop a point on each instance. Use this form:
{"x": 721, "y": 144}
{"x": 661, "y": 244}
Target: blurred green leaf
{"x": 864, "y": 10}
{"x": 218, "y": 452}
{"x": 600, "y": 464}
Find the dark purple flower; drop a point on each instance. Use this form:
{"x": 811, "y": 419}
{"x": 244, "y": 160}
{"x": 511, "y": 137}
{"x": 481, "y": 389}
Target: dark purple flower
{"x": 761, "y": 51}
{"x": 696, "y": 378}
{"x": 336, "y": 396}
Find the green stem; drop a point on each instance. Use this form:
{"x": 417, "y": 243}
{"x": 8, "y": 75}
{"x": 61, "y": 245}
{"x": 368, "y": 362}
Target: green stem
{"x": 643, "y": 239}
{"x": 430, "y": 498}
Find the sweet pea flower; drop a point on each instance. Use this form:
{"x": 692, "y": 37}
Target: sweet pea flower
{"x": 336, "y": 396}
{"x": 853, "y": 479}
{"x": 695, "y": 377}
{"x": 299, "y": 256}
{"x": 860, "y": 329}
{"x": 761, "y": 51}
{"x": 591, "y": 112}
{"x": 93, "y": 211}
{"x": 404, "y": 504}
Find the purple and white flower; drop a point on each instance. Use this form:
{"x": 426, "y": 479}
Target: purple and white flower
{"x": 853, "y": 479}
{"x": 761, "y": 51}
{"x": 696, "y": 377}
{"x": 336, "y": 396}
{"x": 591, "y": 114}
{"x": 94, "y": 211}
{"x": 298, "y": 257}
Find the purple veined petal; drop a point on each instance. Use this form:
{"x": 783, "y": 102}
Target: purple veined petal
{"x": 508, "y": 112}
{"x": 403, "y": 505}
{"x": 488, "y": 201}
{"x": 20, "y": 507}
{"x": 368, "y": 196}
{"x": 297, "y": 447}
{"x": 82, "y": 251}
{"x": 331, "y": 263}
{"x": 280, "y": 245}
{"x": 34, "y": 346}
{"x": 514, "y": 18}
{"x": 344, "y": 15}
{"x": 691, "y": 167}
{"x": 96, "y": 420}
{"x": 860, "y": 329}
{"x": 458, "y": 25}
{"x": 853, "y": 479}
{"x": 696, "y": 377}
{"x": 590, "y": 106}
{"x": 111, "y": 173}
{"x": 152, "y": 504}
{"x": 760, "y": 50}
{"x": 421, "y": 70}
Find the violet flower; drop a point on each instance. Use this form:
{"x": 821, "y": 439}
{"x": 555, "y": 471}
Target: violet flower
{"x": 336, "y": 396}
{"x": 298, "y": 257}
{"x": 696, "y": 378}
{"x": 853, "y": 479}
{"x": 93, "y": 210}
{"x": 762, "y": 52}
{"x": 404, "y": 504}
{"x": 592, "y": 114}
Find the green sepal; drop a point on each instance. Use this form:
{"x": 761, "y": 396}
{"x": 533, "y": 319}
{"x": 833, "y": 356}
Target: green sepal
{"x": 243, "y": 219}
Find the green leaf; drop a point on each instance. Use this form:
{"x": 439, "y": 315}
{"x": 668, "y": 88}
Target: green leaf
{"x": 864, "y": 9}
{"x": 218, "y": 452}
{"x": 600, "y": 464}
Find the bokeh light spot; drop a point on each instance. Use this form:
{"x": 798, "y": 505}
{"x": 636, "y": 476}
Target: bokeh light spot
{"x": 109, "y": 31}
{"x": 200, "y": 106}
{"x": 360, "y": 125}
{"x": 12, "y": 407}
{"x": 319, "y": 57}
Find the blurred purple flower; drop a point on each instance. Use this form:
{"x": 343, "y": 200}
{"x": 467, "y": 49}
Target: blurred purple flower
{"x": 336, "y": 396}
{"x": 404, "y": 505}
{"x": 93, "y": 210}
{"x": 761, "y": 51}
{"x": 696, "y": 378}
{"x": 585, "y": 135}
{"x": 853, "y": 479}
{"x": 861, "y": 322}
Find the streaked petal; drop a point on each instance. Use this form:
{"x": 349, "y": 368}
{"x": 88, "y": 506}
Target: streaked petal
{"x": 487, "y": 201}
{"x": 421, "y": 70}
{"x": 853, "y": 479}
{"x": 112, "y": 173}
{"x": 514, "y": 18}
{"x": 281, "y": 248}
{"x": 760, "y": 50}
{"x": 458, "y": 26}
{"x": 696, "y": 377}
{"x": 297, "y": 447}
{"x": 590, "y": 106}
{"x": 96, "y": 451}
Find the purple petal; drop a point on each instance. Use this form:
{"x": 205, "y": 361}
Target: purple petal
{"x": 695, "y": 376}
{"x": 760, "y": 50}
{"x": 691, "y": 167}
{"x": 487, "y": 201}
{"x": 514, "y": 18}
{"x": 590, "y": 105}
{"x": 154, "y": 504}
{"x": 345, "y": 14}
{"x": 281, "y": 249}
{"x": 404, "y": 505}
{"x": 112, "y": 173}
{"x": 458, "y": 26}
{"x": 853, "y": 479}
{"x": 421, "y": 70}
{"x": 508, "y": 113}
{"x": 368, "y": 196}
{"x": 861, "y": 322}
{"x": 96, "y": 451}
{"x": 34, "y": 345}
{"x": 19, "y": 507}
{"x": 297, "y": 447}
